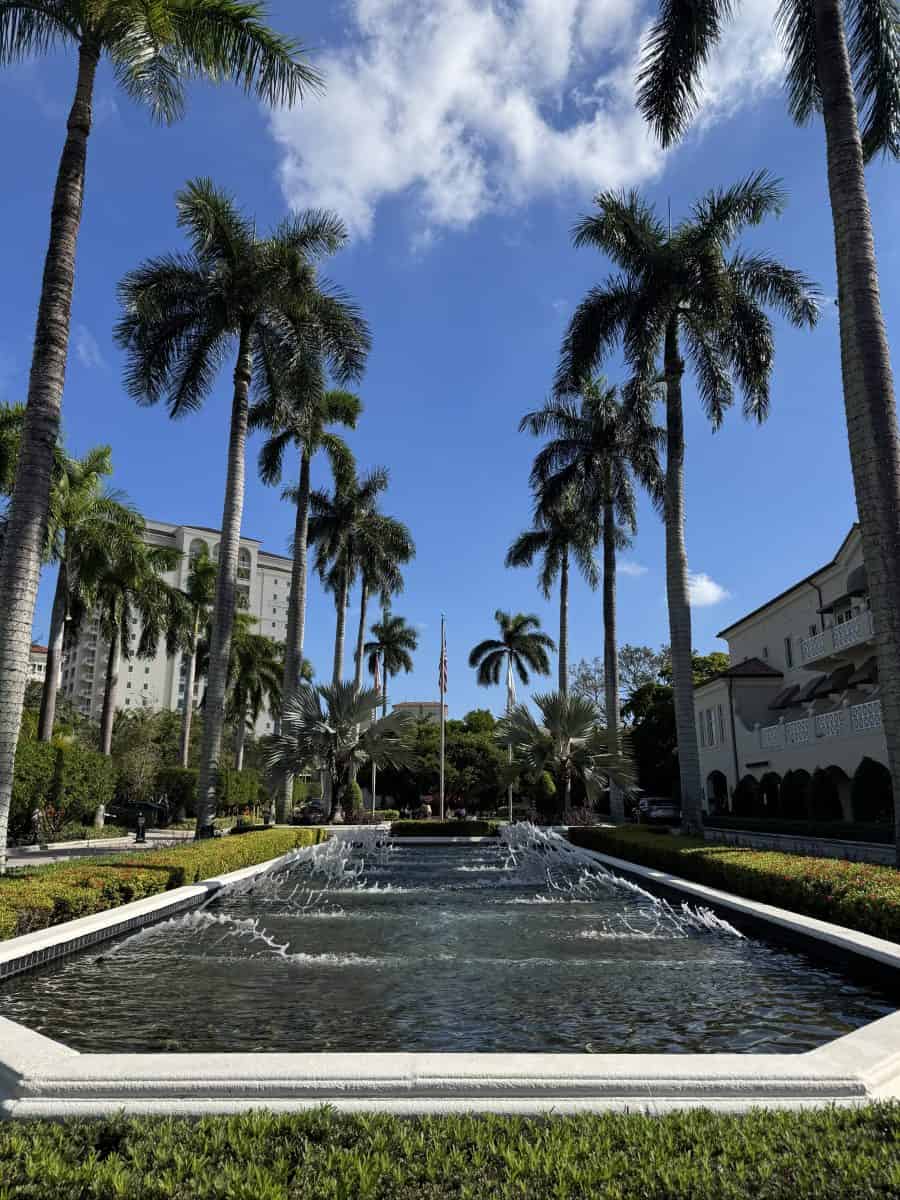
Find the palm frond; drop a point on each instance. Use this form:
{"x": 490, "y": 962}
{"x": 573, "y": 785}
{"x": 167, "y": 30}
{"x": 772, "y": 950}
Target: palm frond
{"x": 874, "y": 45}
{"x": 31, "y": 28}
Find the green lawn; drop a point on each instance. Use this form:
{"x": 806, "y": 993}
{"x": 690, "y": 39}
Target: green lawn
{"x": 818, "y": 1155}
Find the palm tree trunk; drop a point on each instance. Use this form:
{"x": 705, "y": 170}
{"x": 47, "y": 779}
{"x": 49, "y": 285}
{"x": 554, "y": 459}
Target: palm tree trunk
{"x": 361, "y": 632}
{"x": 611, "y": 653}
{"x": 384, "y": 684}
{"x": 109, "y": 695}
{"x": 293, "y": 647}
{"x": 189, "y": 675}
{"x": 564, "y": 624}
{"x": 54, "y": 656}
{"x": 240, "y": 732}
{"x": 340, "y": 628}
{"x": 677, "y": 588}
{"x": 223, "y": 611}
{"x": 865, "y": 368}
{"x": 20, "y": 567}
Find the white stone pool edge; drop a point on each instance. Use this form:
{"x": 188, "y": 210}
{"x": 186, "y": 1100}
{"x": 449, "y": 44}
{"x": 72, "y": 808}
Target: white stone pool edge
{"x": 40, "y": 1077}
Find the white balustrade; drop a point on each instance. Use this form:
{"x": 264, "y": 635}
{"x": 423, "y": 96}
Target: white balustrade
{"x": 865, "y": 717}
{"x": 812, "y": 647}
{"x": 798, "y": 733}
{"x": 829, "y": 724}
{"x": 771, "y": 737}
{"x": 837, "y": 638}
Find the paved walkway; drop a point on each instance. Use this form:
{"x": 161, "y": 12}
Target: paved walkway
{"x": 52, "y": 852}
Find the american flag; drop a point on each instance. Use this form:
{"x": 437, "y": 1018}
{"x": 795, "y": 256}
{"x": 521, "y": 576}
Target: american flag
{"x": 442, "y": 666}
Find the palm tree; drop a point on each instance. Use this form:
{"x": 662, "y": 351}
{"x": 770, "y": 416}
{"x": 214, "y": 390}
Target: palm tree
{"x": 153, "y": 49}
{"x": 599, "y": 446}
{"x": 130, "y": 591}
{"x": 327, "y": 728}
{"x": 334, "y": 528}
{"x": 393, "y": 644}
{"x": 568, "y": 743}
{"x": 561, "y": 533}
{"x": 256, "y": 674}
{"x": 258, "y": 298}
{"x": 384, "y": 545}
{"x": 199, "y": 594}
{"x": 521, "y": 646}
{"x": 852, "y": 79}
{"x": 677, "y": 288}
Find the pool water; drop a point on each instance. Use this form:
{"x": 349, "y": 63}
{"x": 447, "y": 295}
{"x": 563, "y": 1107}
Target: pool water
{"x": 524, "y": 945}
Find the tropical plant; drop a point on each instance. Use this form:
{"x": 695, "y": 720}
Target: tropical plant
{"x": 299, "y": 413}
{"x": 335, "y": 527}
{"x": 567, "y": 742}
{"x": 681, "y": 287}
{"x": 599, "y": 446}
{"x": 199, "y": 594}
{"x": 561, "y": 532}
{"x": 153, "y": 49}
{"x": 384, "y": 545}
{"x": 260, "y": 298}
{"x": 841, "y": 59}
{"x": 393, "y": 644}
{"x": 255, "y": 678}
{"x": 85, "y": 525}
{"x": 330, "y": 728}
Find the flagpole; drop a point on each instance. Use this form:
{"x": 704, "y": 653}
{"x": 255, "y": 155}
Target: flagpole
{"x": 442, "y": 681}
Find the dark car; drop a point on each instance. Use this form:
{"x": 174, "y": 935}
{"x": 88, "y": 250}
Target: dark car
{"x": 657, "y": 810}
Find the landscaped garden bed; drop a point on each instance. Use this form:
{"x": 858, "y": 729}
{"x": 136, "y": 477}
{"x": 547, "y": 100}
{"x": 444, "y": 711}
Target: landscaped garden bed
{"x": 862, "y": 896}
{"x": 444, "y": 829}
{"x": 829, "y": 1154}
{"x": 843, "y": 831}
{"x": 53, "y": 894}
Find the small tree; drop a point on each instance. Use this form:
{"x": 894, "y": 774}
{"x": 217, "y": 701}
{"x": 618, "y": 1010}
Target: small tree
{"x": 871, "y": 793}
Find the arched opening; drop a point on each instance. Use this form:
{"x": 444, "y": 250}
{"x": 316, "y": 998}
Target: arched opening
{"x": 197, "y": 547}
{"x": 244, "y": 564}
{"x": 770, "y": 793}
{"x": 717, "y": 792}
{"x": 843, "y": 787}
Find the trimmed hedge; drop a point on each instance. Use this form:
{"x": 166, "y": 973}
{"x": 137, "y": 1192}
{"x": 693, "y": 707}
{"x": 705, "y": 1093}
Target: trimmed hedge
{"x": 53, "y": 894}
{"x": 67, "y": 782}
{"x": 823, "y": 1154}
{"x": 862, "y": 896}
{"x": 238, "y": 789}
{"x": 846, "y": 831}
{"x": 444, "y": 829}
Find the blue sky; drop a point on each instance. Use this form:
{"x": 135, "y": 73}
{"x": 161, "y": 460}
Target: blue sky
{"x": 459, "y": 139}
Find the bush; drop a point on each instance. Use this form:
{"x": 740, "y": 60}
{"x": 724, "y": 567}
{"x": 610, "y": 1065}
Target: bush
{"x": 795, "y": 795}
{"x": 51, "y": 895}
{"x": 179, "y": 786}
{"x": 67, "y": 782}
{"x": 845, "y": 831}
{"x": 746, "y": 799}
{"x": 859, "y": 895}
{"x": 444, "y": 829}
{"x": 824, "y": 797}
{"x": 238, "y": 789}
{"x": 871, "y": 792}
{"x": 821, "y": 1154}
{"x": 351, "y": 798}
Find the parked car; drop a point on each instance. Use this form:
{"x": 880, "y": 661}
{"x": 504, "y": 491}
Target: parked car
{"x": 658, "y": 810}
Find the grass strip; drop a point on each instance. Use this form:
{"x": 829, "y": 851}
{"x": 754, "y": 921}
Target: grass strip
{"x": 861, "y": 896}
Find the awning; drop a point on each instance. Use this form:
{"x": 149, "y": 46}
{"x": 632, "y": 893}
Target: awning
{"x": 811, "y": 689}
{"x": 858, "y": 581}
{"x": 866, "y": 673}
{"x": 786, "y": 697}
{"x": 837, "y": 681}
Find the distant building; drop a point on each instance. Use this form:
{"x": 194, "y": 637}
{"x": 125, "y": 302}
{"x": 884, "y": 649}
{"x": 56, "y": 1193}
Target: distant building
{"x": 37, "y": 662}
{"x": 422, "y": 710}
{"x": 801, "y": 692}
{"x": 263, "y": 587}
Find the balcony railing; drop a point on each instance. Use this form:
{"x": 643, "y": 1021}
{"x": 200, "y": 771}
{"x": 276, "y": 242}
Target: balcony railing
{"x": 837, "y": 639}
{"x": 855, "y": 718}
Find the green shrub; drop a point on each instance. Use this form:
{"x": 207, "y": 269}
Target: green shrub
{"x": 821, "y": 1154}
{"x": 238, "y": 789}
{"x": 871, "y": 792}
{"x": 35, "y": 768}
{"x": 746, "y": 800}
{"x": 861, "y": 896}
{"x": 74, "y": 831}
{"x": 444, "y": 829}
{"x": 179, "y": 786}
{"x": 351, "y": 798}
{"x": 66, "y": 781}
{"x": 824, "y": 797}
{"x": 845, "y": 831}
{"x": 51, "y": 895}
{"x": 795, "y": 795}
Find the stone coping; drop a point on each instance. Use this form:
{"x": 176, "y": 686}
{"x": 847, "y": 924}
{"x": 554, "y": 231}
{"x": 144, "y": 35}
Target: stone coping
{"x": 40, "y": 1077}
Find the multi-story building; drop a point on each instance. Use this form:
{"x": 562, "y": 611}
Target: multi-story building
{"x": 427, "y": 710}
{"x": 263, "y": 582}
{"x": 37, "y": 662}
{"x": 801, "y": 692}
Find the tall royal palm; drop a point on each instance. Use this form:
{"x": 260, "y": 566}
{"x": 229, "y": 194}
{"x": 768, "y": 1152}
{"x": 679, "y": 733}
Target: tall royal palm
{"x": 153, "y": 49}
{"x": 334, "y": 528}
{"x": 384, "y": 546}
{"x": 257, "y": 299}
{"x": 199, "y": 595}
{"x": 597, "y": 448}
{"x": 562, "y": 533}
{"x": 256, "y": 672}
{"x": 685, "y": 290}
{"x": 842, "y": 58}
{"x": 391, "y": 649}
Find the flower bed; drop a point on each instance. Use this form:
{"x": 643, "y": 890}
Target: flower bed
{"x": 50, "y": 895}
{"x": 828, "y": 1154}
{"x": 861, "y": 896}
{"x": 444, "y": 829}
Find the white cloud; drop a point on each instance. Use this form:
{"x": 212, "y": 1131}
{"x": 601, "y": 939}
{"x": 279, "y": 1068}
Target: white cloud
{"x": 632, "y": 568}
{"x": 474, "y": 106}
{"x": 704, "y": 591}
{"x": 87, "y": 349}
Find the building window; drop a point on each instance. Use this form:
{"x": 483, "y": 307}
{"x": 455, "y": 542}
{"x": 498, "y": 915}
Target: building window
{"x": 146, "y": 670}
{"x": 788, "y": 653}
{"x": 128, "y": 684}
{"x": 710, "y": 736}
{"x": 721, "y": 722}
{"x": 813, "y": 630}
{"x": 702, "y": 730}
{"x": 130, "y": 670}
{"x": 765, "y": 653}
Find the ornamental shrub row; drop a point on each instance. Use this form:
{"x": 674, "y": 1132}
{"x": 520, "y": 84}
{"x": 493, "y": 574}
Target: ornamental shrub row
{"x": 825, "y": 1154}
{"x": 444, "y": 829}
{"x": 846, "y": 831}
{"x": 67, "y": 782}
{"x": 862, "y": 896}
{"x": 51, "y": 895}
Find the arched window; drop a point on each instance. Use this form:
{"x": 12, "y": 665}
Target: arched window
{"x": 198, "y": 547}
{"x": 244, "y": 563}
